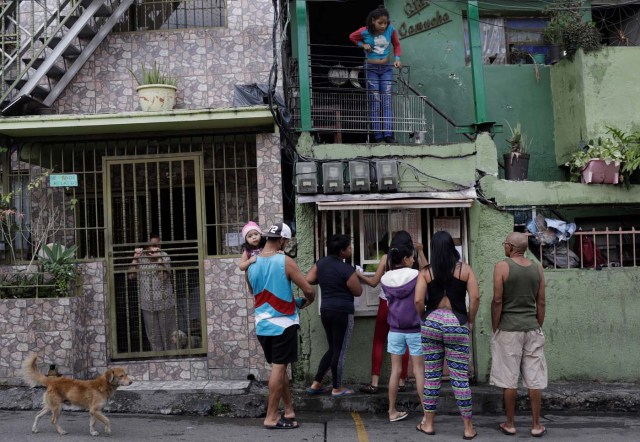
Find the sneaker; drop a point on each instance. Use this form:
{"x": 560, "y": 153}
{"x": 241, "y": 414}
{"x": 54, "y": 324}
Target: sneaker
{"x": 378, "y": 139}
{"x": 389, "y": 139}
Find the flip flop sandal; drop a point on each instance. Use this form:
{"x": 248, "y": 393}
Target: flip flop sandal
{"x": 428, "y": 433}
{"x": 399, "y": 417}
{"x": 505, "y": 431}
{"x": 345, "y": 392}
{"x": 314, "y": 391}
{"x": 283, "y": 424}
{"x": 402, "y": 388}
{"x": 542, "y": 433}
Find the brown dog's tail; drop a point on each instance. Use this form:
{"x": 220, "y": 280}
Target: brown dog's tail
{"x": 30, "y": 372}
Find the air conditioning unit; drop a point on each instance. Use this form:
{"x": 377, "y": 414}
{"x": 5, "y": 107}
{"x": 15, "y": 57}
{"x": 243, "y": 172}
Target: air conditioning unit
{"x": 387, "y": 175}
{"x": 306, "y": 177}
{"x": 359, "y": 176}
{"x": 333, "y": 177}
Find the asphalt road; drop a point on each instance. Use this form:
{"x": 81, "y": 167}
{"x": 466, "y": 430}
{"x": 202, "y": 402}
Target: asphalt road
{"x": 16, "y": 427}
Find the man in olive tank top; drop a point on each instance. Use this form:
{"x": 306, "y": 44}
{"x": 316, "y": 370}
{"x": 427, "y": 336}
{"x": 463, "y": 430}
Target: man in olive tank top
{"x": 517, "y": 345}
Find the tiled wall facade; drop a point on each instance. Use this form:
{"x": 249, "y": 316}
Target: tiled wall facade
{"x": 68, "y": 332}
{"x": 207, "y": 62}
{"x": 73, "y": 332}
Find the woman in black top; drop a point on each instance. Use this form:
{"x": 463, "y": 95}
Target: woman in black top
{"x": 339, "y": 284}
{"x": 446, "y": 328}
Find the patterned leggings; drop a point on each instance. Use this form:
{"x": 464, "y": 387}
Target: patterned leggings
{"x": 443, "y": 336}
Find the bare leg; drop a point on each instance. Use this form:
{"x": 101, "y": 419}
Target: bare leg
{"x": 375, "y": 379}
{"x": 289, "y": 412}
{"x": 509, "y": 396}
{"x": 394, "y": 379}
{"x": 417, "y": 363}
{"x": 276, "y": 384}
{"x": 427, "y": 422}
{"x": 45, "y": 410}
{"x": 535, "y": 396}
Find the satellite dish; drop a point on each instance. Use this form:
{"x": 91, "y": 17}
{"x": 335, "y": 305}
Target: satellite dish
{"x": 338, "y": 75}
{"x": 354, "y": 77}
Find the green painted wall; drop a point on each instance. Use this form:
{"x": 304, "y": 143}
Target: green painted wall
{"x": 487, "y": 230}
{"x": 437, "y": 60}
{"x": 594, "y": 91}
{"x": 526, "y": 193}
{"x": 422, "y": 169}
{"x": 591, "y": 329}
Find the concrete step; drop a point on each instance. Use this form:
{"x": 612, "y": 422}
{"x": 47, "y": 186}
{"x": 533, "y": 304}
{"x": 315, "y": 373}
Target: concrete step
{"x": 248, "y": 399}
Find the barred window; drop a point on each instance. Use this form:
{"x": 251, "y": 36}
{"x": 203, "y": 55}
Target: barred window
{"x": 76, "y": 215}
{"x": 149, "y": 15}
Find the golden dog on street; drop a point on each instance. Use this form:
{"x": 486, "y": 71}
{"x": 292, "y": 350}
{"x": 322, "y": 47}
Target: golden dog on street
{"x": 92, "y": 395}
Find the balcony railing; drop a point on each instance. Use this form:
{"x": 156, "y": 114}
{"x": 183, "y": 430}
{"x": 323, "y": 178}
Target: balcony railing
{"x": 595, "y": 249}
{"x": 340, "y": 104}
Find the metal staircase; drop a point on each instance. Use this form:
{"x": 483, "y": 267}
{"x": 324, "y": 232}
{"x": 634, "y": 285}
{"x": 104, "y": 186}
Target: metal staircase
{"x": 43, "y": 45}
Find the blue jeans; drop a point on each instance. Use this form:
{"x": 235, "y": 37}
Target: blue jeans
{"x": 380, "y": 85}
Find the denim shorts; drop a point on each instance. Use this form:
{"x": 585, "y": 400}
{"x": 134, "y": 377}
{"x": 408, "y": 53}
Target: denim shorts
{"x": 397, "y": 343}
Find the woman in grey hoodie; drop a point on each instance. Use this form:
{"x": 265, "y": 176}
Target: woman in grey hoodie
{"x": 399, "y": 284}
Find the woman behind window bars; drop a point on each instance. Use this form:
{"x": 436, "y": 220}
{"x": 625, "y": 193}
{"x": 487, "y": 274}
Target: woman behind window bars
{"x": 152, "y": 267}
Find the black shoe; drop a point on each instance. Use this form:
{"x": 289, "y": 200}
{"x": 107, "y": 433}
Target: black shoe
{"x": 389, "y": 139}
{"x": 378, "y": 139}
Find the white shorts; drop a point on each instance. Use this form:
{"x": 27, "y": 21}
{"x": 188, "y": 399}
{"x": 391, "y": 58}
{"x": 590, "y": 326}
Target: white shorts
{"x": 517, "y": 352}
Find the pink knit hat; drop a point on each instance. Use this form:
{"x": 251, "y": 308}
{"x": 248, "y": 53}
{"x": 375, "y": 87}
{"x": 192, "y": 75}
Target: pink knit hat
{"x": 248, "y": 228}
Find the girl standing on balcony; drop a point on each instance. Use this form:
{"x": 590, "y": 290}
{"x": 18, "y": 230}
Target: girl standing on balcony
{"x": 376, "y": 38}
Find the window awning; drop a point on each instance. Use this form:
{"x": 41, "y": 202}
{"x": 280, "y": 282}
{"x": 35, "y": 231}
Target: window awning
{"x": 255, "y": 117}
{"x": 422, "y": 200}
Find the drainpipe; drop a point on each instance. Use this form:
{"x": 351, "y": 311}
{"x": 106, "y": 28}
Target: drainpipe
{"x": 302, "y": 42}
{"x": 477, "y": 72}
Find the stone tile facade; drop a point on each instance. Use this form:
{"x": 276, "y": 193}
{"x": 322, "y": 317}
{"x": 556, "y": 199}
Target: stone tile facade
{"x": 73, "y": 333}
{"x": 208, "y": 62}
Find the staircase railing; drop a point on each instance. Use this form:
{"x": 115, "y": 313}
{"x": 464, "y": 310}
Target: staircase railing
{"x": 50, "y": 41}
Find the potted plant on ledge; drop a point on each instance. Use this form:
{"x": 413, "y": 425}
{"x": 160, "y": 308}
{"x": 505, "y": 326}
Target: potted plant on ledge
{"x": 156, "y": 91}
{"x": 597, "y": 163}
{"x": 516, "y": 162}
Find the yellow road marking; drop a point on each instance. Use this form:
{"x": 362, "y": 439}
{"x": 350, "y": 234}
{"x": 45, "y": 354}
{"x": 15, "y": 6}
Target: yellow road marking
{"x": 362, "y": 433}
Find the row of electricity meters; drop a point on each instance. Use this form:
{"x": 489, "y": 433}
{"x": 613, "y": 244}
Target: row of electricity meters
{"x": 353, "y": 176}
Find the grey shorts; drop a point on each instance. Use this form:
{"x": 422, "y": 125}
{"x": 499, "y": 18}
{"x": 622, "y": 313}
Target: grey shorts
{"x": 516, "y": 353}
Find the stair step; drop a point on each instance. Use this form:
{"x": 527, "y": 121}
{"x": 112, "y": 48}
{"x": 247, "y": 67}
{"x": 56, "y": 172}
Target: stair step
{"x": 103, "y": 11}
{"x": 23, "y": 105}
{"x": 70, "y": 52}
{"x": 39, "y": 91}
{"x": 86, "y": 32}
{"x": 54, "y": 71}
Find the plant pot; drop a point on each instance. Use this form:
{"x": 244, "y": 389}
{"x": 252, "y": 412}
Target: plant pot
{"x": 597, "y": 171}
{"x": 516, "y": 166}
{"x": 555, "y": 54}
{"x": 157, "y": 97}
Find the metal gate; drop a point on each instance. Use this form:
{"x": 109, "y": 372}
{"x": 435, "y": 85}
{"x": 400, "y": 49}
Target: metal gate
{"x": 155, "y": 252}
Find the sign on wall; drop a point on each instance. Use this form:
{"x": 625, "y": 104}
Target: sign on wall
{"x": 414, "y": 7}
{"x": 63, "y": 180}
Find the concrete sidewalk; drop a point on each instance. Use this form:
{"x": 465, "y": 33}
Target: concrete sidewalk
{"x": 248, "y": 399}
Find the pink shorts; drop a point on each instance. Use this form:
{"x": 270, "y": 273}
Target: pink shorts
{"x": 516, "y": 353}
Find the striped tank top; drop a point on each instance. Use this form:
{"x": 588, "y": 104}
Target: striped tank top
{"x": 275, "y": 308}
